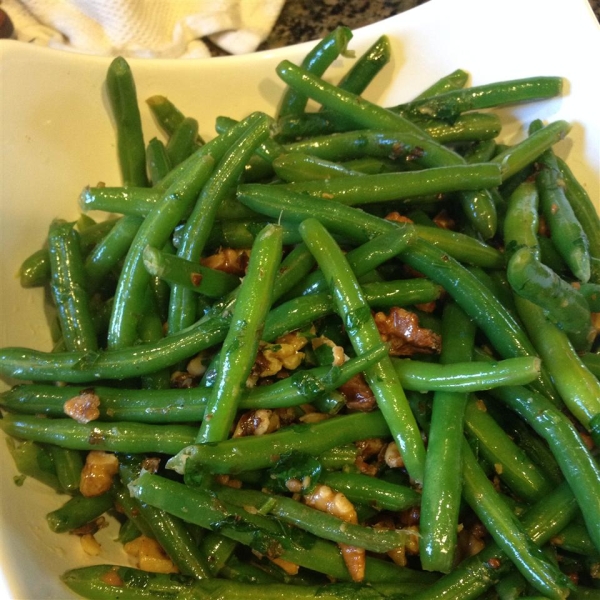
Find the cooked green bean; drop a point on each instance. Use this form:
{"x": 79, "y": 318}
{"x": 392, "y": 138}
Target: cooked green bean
{"x": 508, "y": 533}
{"x": 450, "y": 104}
{"x": 316, "y": 61}
{"x": 234, "y": 147}
{"x": 168, "y": 116}
{"x": 124, "y": 107}
{"x": 158, "y": 163}
{"x": 183, "y": 141}
{"x": 440, "y": 504}
{"x": 79, "y": 511}
{"x": 202, "y": 280}
{"x": 240, "y": 346}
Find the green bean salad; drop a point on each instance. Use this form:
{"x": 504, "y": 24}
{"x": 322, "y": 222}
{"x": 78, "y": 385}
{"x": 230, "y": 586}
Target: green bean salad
{"x": 343, "y": 352}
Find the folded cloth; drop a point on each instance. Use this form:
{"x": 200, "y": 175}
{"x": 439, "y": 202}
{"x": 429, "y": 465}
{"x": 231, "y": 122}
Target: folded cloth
{"x": 144, "y": 28}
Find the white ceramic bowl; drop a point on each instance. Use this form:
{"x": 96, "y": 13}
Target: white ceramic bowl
{"x": 57, "y": 137}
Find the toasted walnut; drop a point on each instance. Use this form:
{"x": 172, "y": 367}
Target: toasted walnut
{"x": 257, "y": 422}
{"x": 370, "y": 447}
{"x": 196, "y": 367}
{"x": 323, "y": 498}
{"x": 289, "y": 567}
{"x": 339, "y": 357}
{"x": 83, "y": 408}
{"x": 397, "y": 217}
{"x": 358, "y": 394}
{"x": 471, "y": 540}
{"x": 229, "y": 260}
{"x": 444, "y": 221}
{"x": 90, "y": 544}
{"x": 182, "y": 380}
{"x": 97, "y": 473}
{"x": 401, "y": 330}
{"x": 228, "y": 481}
{"x": 313, "y": 417}
{"x": 150, "y": 555}
{"x": 393, "y": 458}
{"x": 410, "y": 545}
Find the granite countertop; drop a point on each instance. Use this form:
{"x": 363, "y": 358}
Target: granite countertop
{"x": 305, "y": 20}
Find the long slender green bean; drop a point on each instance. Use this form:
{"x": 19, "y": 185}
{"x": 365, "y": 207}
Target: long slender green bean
{"x": 508, "y": 533}
{"x": 240, "y": 346}
{"x": 440, "y": 504}
{"x": 232, "y": 160}
{"x": 124, "y": 106}
{"x": 364, "y": 335}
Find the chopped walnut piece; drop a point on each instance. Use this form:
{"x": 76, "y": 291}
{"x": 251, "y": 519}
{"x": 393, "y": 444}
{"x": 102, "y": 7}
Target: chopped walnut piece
{"x": 397, "y": 217}
{"x": 358, "y": 394}
{"x": 90, "y": 528}
{"x": 323, "y": 498}
{"x": 150, "y": 555}
{"x": 97, "y": 473}
{"x": 83, "y": 408}
{"x": 401, "y": 330}
{"x": 229, "y": 260}
{"x": 182, "y": 380}
{"x": 444, "y": 221}
{"x": 393, "y": 458}
{"x": 228, "y": 481}
{"x": 290, "y": 568}
{"x": 284, "y": 353}
{"x": 257, "y": 422}
{"x": 90, "y": 544}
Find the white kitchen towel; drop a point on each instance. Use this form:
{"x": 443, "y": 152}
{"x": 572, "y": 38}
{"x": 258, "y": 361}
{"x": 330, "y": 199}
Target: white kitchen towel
{"x": 144, "y": 28}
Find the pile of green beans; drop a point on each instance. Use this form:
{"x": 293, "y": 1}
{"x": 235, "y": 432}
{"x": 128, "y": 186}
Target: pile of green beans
{"x": 407, "y": 327}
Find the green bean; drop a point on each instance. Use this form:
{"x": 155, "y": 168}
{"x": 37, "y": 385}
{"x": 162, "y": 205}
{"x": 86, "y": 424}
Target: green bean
{"x": 169, "y": 531}
{"x": 521, "y": 222}
{"x": 199, "y": 507}
{"x": 158, "y": 163}
{"x": 108, "y": 252}
{"x": 564, "y": 305}
{"x": 367, "y": 189}
{"x": 68, "y": 287}
{"x": 510, "y": 462}
{"x": 35, "y": 269}
{"x": 134, "y": 584}
{"x": 240, "y": 346}
{"x": 316, "y": 61}
{"x": 248, "y": 134}
{"x": 478, "y": 207}
{"x": 154, "y": 231}
{"x": 452, "y": 81}
{"x": 130, "y": 507}
{"x": 183, "y": 141}
{"x": 33, "y": 460}
{"x": 519, "y": 156}
{"x": 575, "y": 538}
{"x": 362, "y": 488}
{"x": 310, "y": 519}
{"x": 168, "y": 116}
{"x": 68, "y": 465}
{"x": 258, "y": 452}
{"x": 578, "y": 388}
{"x": 508, "y": 532}
{"x": 79, "y": 511}
{"x": 202, "y": 280}
{"x": 133, "y": 438}
{"x": 583, "y": 208}
{"x": 297, "y": 166}
{"x": 241, "y": 233}
{"x": 442, "y": 484}
{"x": 566, "y": 231}
{"x": 466, "y": 128}
{"x": 367, "y": 66}
{"x": 569, "y": 450}
{"x": 452, "y": 103}
{"x": 124, "y": 107}
{"x": 363, "y": 333}
{"x": 363, "y": 259}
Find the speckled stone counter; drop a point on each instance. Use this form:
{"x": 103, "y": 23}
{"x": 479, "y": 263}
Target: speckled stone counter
{"x": 304, "y": 20}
